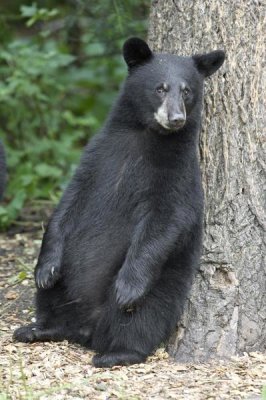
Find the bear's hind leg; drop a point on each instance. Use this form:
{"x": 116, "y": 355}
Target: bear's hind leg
{"x": 33, "y": 333}
{"x": 118, "y": 358}
{"x": 129, "y": 336}
{"x": 52, "y": 320}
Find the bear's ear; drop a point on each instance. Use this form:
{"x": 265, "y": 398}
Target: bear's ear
{"x": 207, "y": 64}
{"x": 136, "y": 52}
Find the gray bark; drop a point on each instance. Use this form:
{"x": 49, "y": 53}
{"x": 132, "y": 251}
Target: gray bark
{"x": 226, "y": 312}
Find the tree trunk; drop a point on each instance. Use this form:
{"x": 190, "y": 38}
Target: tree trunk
{"x": 226, "y": 312}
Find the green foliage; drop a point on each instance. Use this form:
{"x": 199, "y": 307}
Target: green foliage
{"x": 58, "y": 78}
{"x": 34, "y": 14}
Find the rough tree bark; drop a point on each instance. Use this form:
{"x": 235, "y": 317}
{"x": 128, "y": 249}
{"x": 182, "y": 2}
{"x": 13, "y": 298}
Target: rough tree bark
{"x": 226, "y": 312}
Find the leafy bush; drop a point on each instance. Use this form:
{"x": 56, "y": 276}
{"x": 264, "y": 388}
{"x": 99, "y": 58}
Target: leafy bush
{"x": 57, "y": 81}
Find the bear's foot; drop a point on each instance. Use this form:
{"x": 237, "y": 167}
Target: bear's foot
{"x": 117, "y": 358}
{"x": 25, "y": 334}
{"x": 34, "y": 333}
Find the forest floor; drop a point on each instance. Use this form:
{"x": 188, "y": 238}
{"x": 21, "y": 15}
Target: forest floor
{"x": 64, "y": 371}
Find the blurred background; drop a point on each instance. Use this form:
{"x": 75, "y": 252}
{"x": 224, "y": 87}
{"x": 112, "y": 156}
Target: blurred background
{"x": 60, "y": 71}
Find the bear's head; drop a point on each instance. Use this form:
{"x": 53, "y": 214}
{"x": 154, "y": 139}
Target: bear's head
{"x": 166, "y": 90}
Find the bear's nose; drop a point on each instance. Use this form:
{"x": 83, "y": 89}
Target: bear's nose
{"x": 177, "y": 120}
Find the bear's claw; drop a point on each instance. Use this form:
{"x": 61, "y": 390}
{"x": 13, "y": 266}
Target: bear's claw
{"x": 46, "y": 276}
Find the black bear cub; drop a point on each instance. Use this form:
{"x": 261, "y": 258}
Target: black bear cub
{"x": 120, "y": 251}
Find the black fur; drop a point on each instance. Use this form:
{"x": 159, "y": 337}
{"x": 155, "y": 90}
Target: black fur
{"x": 136, "y": 52}
{"x": 2, "y": 170}
{"x": 207, "y": 64}
{"x": 120, "y": 251}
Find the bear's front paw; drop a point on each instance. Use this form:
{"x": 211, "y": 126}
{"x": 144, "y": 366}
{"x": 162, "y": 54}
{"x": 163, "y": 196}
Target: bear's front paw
{"x": 46, "y": 275}
{"x": 127, "y": 293}
{"x": 25, "y": 334}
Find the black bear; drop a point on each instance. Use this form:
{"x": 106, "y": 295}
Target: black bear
{"x": 120, "y": 251}
{"x": 2, "y": 170}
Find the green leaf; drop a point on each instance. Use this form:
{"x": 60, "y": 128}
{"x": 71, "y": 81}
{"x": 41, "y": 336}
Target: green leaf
{"x": 48, "y": 171}
{"x": 263, "y": 393}
{"x": 28, "y": 11}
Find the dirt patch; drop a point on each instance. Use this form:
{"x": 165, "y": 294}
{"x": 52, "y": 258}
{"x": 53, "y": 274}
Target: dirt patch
{"x": 64, "y": 371}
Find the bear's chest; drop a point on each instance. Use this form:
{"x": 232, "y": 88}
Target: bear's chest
{"x": 138, "y": 181}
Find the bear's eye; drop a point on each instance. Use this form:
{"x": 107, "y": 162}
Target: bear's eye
{"x": 186, "y": 92}
{"x": 162, "y": 89}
